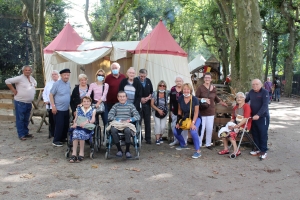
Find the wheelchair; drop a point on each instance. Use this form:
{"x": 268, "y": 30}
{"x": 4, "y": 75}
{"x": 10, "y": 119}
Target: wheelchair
{"x": 136, "y": 141}
{"x": 94, "y": 141}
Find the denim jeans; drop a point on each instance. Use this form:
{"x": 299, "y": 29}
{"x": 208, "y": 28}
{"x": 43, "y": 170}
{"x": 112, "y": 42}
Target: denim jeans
{"x": 22, "y": 117}
{"x": 277, "y": 93}
{"x": 194, "y": 134}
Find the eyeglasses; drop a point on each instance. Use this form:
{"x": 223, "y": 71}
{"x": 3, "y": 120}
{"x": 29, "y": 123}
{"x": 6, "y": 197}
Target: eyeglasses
{"x": 100, "y": 75}
{"x": 161, "y": 85}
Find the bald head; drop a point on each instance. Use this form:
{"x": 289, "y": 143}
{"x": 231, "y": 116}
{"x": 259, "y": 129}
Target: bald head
{"x": 256, "y": 85}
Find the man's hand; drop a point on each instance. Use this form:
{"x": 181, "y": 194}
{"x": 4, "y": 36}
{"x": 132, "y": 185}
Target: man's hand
{"x": 255, "y": 117}
{"x": 54, "y": 110}
{"x": 15, "y": 92}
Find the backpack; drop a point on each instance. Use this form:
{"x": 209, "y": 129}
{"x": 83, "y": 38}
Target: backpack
{"x": 278, "y": 83}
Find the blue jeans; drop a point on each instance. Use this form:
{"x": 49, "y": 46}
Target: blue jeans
{"x": 277, "y": 93}
{"x": 22, "y": 117}
{"x": 194, "y": 134}
{"x": 259, "y": 131}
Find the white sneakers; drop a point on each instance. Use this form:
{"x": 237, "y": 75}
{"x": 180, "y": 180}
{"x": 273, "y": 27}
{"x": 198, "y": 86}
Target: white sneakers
{"x": 255, "y": 153}
{"x": 174, "y": 143}
{"x": 263, "y": 156}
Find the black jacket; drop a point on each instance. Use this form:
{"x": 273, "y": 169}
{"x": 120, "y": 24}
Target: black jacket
{"x": 138, "y": 91}
{"x": 75, "y": 97}
{"x": 148, "y": 89}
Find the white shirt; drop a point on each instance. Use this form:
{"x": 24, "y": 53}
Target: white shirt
{"x": 46, "y": 93}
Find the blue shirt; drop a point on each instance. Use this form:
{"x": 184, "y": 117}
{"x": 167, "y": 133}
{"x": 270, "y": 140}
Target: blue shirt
{"x": 259, "y": 102}
{"x": 61, "y": 92}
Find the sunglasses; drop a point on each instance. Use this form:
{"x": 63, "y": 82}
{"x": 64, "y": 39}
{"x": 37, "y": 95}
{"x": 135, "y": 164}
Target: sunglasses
{"x": 100, "y": 75}
{"x": 161, "y": 85}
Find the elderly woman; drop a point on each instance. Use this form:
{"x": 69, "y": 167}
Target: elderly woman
{"x": 82, "y": 127}
{"x": 188, "y": 107}
{"x": 79, "y": 92}
{"x": 175, "y": 93}
{"x": 46, "y": 92}
{"x": 208, "y": 93}
{"x": 160, "y": 107}
{"x": 99, "y": 89}
{"x": 241, "y": 112}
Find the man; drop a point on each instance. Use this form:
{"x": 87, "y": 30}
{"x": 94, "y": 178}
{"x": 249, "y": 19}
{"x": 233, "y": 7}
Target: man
{"x": 277, "y": 87}
{"x": 123, "y": 113}
{"x": 147, "y": 90}
{"x": 259, "y": 98}
{"x": 268, "y": 86}
{"x": 46, "y": 93}
{"x": 113, "y": 80}
{"x": 60, "y": 95}
{"x": 133, "y": 88}
{"x": 23, "y": 96}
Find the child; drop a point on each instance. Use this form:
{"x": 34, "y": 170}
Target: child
{"x": 83, "y": 128}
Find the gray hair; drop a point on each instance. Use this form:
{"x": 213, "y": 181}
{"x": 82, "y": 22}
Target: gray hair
{"x": 131, "y": 68}
{"x": 143, "y": 71}
{"x": 55, "y": 71}
{"x": 116, "y": 64}
{"x": 179, "y": 76}
{"x": 241, "y": 94}
{"x": 82, "y": 76}
{"x": 27, "y": 66}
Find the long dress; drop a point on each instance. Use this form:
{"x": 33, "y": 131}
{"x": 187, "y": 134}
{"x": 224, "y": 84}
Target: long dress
{"x": 82, "y": 133}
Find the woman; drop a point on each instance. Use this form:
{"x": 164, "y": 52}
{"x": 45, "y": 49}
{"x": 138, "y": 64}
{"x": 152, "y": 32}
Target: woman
{"x": 241, "y": 112}
{"x": 160, "y": 106}
{"x": 79, "y": 92}
{"x": 188, "y": 106}
{"x": 175, "y": 93}
{"x": 86, "y": 115}
{"x": 99, "y": 89}
{"x": 208, "y": 93}
{"x": 268, "y": 86}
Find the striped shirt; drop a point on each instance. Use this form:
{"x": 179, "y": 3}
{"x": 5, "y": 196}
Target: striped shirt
{"x": 123, "y": 112}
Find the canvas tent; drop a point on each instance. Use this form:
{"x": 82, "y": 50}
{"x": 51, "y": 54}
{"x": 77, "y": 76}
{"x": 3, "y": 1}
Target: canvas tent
{"x": 160, "y": 54}
{"x": 198, "y": 61}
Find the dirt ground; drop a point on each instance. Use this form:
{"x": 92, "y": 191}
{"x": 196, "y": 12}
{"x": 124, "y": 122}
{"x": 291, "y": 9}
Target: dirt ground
{"x": 34, "y": 169}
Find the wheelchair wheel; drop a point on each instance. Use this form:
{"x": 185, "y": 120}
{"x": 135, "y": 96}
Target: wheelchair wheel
{"x": 97, "y": 138}
{"x": 137, "y": 153}
{"x": 92, "y": 155}
{"x": 67, "y": 154}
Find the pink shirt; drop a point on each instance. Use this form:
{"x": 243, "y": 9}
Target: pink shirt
{"x": 98, "y": 93}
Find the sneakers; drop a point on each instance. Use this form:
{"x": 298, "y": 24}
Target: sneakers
{"x": 264, "y": 156}
{"x": 119, "y": 154}
{"x": 181, "y": 148}
{"x": 196, "y": 155}
{"x": 161, "y": 140}
{"x": 128, "y": 155}
{"x": 57, "y": 144}
{"x": 174, "y": 143}
{"x": 254, "y": 153}
{"x": 157, "y": 142}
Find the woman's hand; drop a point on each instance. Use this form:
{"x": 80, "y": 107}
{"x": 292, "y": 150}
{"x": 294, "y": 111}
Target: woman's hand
{"x": 224, "y": 104}
{"x": 98, "y": 103}
{"x": 193, "y": 127}
{"x": 74, "y": 125}
{"x": 177, "y": 126}
{"x": 207, "y": 100}
{"x": 160, "y": 112}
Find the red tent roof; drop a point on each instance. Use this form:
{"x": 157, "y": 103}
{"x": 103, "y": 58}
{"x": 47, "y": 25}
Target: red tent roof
{"x": 159, "y": 41}
{"x": 67, "y": 40}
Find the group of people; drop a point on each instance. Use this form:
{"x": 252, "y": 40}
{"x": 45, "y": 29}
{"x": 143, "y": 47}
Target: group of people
{"x": 130, "y": 99}
{"x": 274, "y": 89}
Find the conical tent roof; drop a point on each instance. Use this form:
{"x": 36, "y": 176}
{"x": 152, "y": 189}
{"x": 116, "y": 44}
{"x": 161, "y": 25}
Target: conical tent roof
{"x": 160, "y": 41}
{"x": 67, "y": 40}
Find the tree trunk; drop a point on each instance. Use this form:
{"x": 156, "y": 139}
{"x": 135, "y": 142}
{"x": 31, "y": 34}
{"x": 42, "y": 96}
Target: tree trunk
{"x": 275, "y": 40}
{"x": 269, "y": 53}
{"x": 33, "y": 13}
{"x": 250, "y": 42}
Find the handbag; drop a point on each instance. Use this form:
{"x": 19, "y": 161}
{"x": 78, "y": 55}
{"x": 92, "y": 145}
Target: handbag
{"x": 185, "y": 124}
{"x": 203, "y": 104}
{"x": 163, "y": 108}
{"x": 101, "y": 107}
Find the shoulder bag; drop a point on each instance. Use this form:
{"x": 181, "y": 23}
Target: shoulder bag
{"x": 203, "y": 104}
{"x": 163, "y": 108}
{"x": 185, "y": 124}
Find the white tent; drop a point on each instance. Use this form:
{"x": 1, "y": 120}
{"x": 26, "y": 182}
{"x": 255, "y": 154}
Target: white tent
{"x": 198, "y": 61}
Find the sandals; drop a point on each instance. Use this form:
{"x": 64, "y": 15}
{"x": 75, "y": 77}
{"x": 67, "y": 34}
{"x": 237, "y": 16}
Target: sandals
{"x": 80, "y": 158}
{"x": 73, "y": 159}
{"x": 223, "y": 152}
